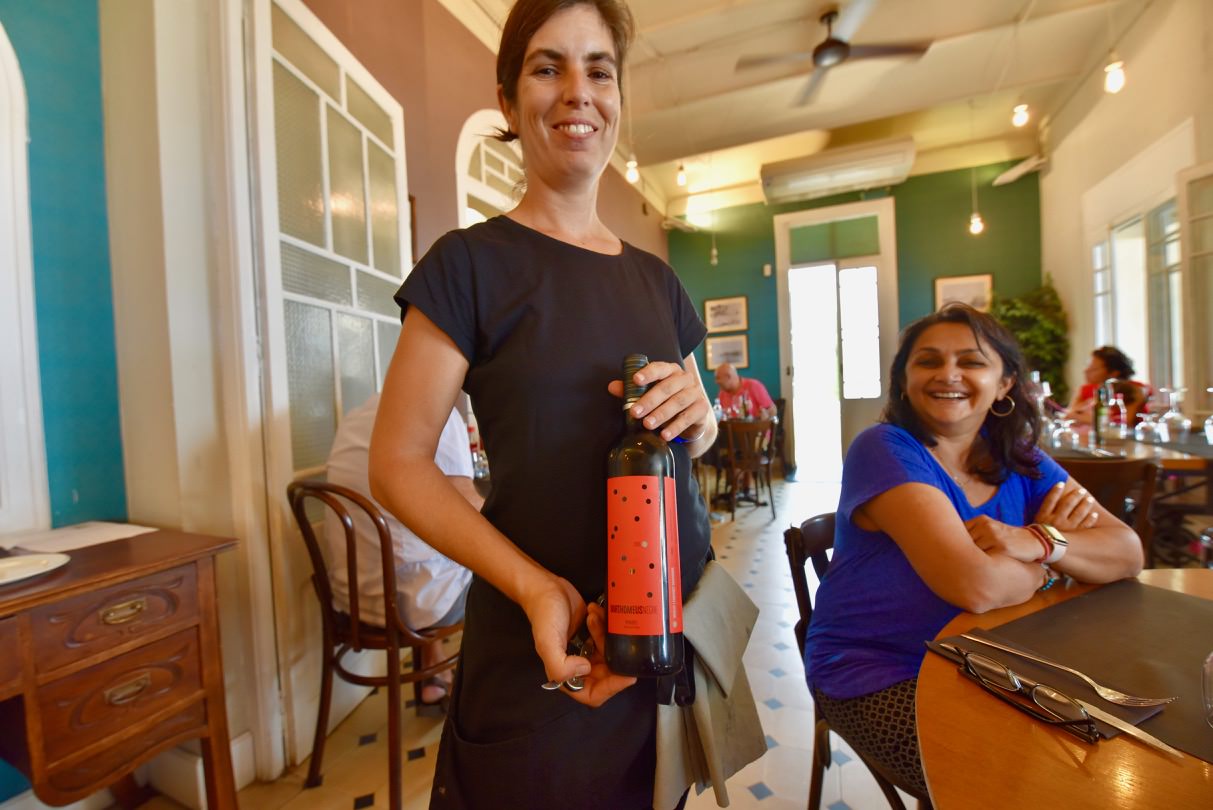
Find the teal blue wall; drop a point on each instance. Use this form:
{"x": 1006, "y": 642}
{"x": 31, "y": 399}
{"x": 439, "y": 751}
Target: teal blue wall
{"x": 58, "y": 48}
{"x": 932, "y": 213}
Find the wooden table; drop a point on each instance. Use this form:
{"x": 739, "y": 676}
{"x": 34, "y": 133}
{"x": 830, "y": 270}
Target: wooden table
{"x": 1168, "y": 458}
{"x": 112, "y": 659}
{"x": 979, "y": 752}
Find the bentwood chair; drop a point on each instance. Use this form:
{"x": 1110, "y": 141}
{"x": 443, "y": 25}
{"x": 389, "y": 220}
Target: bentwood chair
{"x": 344, "y": 632}
{"x": 749, "y": 454}
{"x": 809, "y": 543}
{"x": 1112, "y": 482}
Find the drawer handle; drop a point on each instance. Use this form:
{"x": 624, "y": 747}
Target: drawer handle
{"x": 124, "y": 612}
{"x": 125, "y": 693}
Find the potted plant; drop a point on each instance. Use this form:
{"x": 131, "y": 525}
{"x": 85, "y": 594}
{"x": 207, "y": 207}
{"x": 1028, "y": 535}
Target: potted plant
{"x": 1038, "y": 321}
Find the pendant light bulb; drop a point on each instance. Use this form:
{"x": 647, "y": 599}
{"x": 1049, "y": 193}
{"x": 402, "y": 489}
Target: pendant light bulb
{"x": 1020, "y": 116}
{"x": 976, "y": 225}
{"x": 633, "y": 172}
{"x": 682, "y": 175}
{"x": 1114, "y": 75}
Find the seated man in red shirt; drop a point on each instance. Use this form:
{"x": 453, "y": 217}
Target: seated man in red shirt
{"x": 742, "y": 396}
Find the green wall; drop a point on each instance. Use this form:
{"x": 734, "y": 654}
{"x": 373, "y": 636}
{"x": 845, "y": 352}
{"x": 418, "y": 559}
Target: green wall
{"x": 932, "y": 213}
{"x": 58, "y": 47}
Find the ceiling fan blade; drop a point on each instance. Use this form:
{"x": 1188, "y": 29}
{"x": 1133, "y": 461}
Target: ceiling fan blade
{"x": 851, "y": 17}
{"x": 811, "y": 87}
{"x": 757, "y": 60}
{"x": 881, "y": 51}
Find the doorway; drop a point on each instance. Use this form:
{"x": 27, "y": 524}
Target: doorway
{"x": 838, "y": 327}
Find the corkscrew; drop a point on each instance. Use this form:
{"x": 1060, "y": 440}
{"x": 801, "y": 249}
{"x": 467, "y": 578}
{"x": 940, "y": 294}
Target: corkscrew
{"x": 582, "y": 643}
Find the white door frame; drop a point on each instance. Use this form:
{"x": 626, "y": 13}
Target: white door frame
{"x": 244, "y": 410}
{"x": 24, "y": 488}
{"x": 886, "y": 285}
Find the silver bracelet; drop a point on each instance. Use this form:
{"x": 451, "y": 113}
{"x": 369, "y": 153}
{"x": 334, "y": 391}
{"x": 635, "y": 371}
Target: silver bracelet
{"x": 679, "y": 439}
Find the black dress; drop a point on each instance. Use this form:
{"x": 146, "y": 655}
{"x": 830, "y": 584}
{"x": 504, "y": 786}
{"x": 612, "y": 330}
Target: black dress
{"x": 545, "y": 326}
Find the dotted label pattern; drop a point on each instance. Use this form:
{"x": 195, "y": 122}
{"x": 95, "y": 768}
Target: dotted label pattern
{"x": 642, "y": 527}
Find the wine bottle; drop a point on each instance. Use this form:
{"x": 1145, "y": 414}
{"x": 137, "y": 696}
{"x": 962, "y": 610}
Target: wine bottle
{"x": 644, "y": 587}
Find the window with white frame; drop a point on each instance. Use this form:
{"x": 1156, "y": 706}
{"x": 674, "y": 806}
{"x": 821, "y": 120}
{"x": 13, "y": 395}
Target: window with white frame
{"x": 343, "y": 252}
{"x": 1102, "y": 282}
{"x": 1164, "y": 296}
{"x": 488, "y": 171}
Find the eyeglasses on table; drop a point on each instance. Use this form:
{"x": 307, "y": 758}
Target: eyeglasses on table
{"x": 1048, "y": 705}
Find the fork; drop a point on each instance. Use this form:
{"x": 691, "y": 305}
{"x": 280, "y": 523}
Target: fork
{"x": 1107, "y": 693}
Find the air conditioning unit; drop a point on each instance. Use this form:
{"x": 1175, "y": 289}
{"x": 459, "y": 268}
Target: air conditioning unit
{"x": 833, "y": 171}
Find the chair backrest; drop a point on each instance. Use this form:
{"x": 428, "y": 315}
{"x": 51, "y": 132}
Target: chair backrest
{"x": 336, "y": 498}
{"x": 808, "y": 542}
{"x": 748, "y": 443}
{"x": 1111, "y": 480}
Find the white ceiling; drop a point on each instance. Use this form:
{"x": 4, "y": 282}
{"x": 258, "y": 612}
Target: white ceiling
{"x": 688, "y": 102}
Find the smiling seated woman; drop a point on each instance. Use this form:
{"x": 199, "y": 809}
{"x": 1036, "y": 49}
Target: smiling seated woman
{"x": 933, "y": 519}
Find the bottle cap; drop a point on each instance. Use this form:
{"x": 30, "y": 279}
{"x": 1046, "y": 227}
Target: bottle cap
{"x": 631, "y": 391}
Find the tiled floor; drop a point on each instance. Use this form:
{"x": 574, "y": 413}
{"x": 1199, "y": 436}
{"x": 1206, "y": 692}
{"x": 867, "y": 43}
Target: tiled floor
{"x": 752, "y": 550}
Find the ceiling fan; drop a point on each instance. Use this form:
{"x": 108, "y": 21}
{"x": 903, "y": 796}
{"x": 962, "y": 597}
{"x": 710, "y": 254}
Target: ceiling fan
{"x": 836, "y": 48}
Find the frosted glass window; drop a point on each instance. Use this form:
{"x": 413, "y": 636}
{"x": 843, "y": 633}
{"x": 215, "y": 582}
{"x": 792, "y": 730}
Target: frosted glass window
{"x": 300, "y": 50}
{"x": 356, "y": 348}
{"x": 1200, "y": 196}
{"x": 367, "y": 111}
{"x": 300, "y": 166}
{"x": 389, "y": 335}
{"x": 501, "y": 185}
{"x": 376, "y": 295}
{"x": 503, "y": 151}
{"x": 310, "y": 383}
{"x": 385, "y": 222}
{"x": 347, "y": 192}
{"x": 306, "y": 273}
{"x": 859, "y": 313}
{"x": 1202, "y": 234}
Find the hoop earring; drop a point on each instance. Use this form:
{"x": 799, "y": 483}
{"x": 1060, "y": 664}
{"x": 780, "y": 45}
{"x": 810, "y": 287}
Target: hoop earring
{"x": 1007, "y": 412}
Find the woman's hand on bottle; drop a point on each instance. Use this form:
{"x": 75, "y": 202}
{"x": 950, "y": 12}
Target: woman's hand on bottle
{"x": 555, "y": 611}
{"x": 1068, "y": 507}
{"x": 995, "y": 537}
{"x": 675, "y": 401}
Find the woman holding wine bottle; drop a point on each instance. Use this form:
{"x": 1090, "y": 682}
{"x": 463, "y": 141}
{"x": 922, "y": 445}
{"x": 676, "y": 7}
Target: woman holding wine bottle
{"x": 531, "y": 313}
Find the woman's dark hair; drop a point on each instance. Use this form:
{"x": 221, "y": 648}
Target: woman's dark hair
{"x": 528, "y": 16}
{"x": 1011, "y": 439}
{"x": 1118, "y": 363}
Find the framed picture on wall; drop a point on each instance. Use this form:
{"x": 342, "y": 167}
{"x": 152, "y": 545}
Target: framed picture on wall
{"x": 725, "y": 314}
{"x": 972, "y": 290}
{"x": 734, "y": 349}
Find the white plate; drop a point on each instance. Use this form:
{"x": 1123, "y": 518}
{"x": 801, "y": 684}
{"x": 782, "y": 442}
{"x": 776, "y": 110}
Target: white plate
{"x": 13, "y": 569}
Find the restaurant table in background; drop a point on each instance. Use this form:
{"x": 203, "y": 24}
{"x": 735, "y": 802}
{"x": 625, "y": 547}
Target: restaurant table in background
{"x": 1172, "y": 456}
{"x": 112, "y": 659}
{"x": 977, "y": 751}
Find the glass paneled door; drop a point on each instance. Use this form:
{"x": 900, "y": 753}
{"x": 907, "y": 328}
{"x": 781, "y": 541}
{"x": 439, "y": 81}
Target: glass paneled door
{"x": 335, "y": 248}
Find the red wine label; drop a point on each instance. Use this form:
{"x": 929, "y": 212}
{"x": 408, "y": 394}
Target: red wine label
{"x": 642, "y": 529}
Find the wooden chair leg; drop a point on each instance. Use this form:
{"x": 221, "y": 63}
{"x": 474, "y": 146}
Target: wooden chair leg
{"x": 395, "y": 790}
{"x": 734, "y": 482}
{"x": 820, "y": 759}
{"x": 771, "y": 492}
{"x": 314, "y": 777}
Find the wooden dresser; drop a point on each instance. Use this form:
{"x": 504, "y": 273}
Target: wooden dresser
{"x": 110, "y": 660}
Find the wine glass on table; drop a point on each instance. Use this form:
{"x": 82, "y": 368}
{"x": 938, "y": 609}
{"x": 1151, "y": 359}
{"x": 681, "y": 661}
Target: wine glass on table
{"x": 1178, "y": 426}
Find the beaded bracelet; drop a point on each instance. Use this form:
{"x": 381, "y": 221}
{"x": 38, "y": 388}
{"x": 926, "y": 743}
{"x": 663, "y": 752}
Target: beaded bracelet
{"x": 1050, "y": 578}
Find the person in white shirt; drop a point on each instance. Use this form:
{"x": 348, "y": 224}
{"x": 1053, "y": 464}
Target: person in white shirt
{"x": 432, "y": 589}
